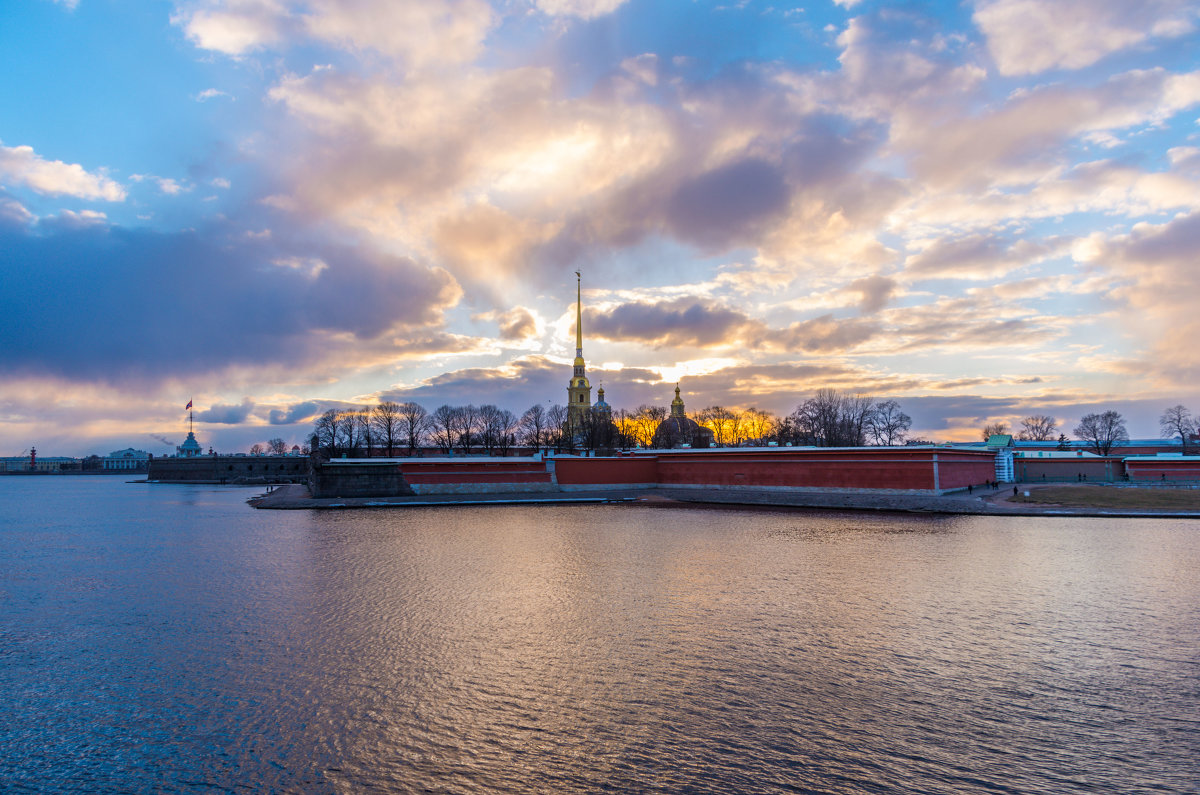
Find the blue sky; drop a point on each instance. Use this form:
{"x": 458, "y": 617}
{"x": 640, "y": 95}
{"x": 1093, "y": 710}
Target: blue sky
{"x": 983, "y": 210}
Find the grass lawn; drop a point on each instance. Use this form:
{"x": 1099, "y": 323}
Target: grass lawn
{"x": 1111, "y": 497}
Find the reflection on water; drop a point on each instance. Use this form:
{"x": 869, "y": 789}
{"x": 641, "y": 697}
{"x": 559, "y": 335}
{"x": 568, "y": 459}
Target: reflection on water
{"x": 169, "y": 638}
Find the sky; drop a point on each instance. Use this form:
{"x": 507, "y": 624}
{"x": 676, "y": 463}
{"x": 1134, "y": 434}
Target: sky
{"x": 983, "y": 210}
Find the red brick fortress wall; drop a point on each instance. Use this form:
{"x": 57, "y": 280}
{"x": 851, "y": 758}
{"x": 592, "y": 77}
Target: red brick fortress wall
{"x": 1166, "y": 469}
{"x": 896, "y": 469}
{"x": 892, "y": 469}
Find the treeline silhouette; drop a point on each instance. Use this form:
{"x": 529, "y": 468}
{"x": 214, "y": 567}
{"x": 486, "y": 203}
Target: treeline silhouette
{"x": 828, "y": 419}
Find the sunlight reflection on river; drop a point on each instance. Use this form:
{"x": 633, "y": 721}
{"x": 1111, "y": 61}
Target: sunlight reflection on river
{"x": 169, "y": 637}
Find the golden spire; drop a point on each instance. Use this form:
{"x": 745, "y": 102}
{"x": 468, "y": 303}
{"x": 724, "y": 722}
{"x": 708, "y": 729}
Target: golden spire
{"x": 578, "y": 317}
{"x": 677, "y": 409}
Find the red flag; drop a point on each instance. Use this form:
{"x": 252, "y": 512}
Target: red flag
{"x": 188, "y": 406}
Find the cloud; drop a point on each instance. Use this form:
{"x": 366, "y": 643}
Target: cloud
{"x": 211, "y": 93}
{"x": 966, "y": 324}
{"x": 227, "y": 414}
{"x": 1157, "y": 263}
{"x": 683, "y": 321}
{"x": 978, "y": 256}
{"x": 486, "y": 243}
{"x": 825, "y": 334}
{"x": 516, "y": 385}
{"x": 1026, "y": 37}
{"x": 252, "y": 313}
{"x": 731, "y": 202}
{"x": 13, "y": 212}
{"x": 420, "y": 34}
{"x": 305, "y": 411}
{"x": 875, "y": 292}
{"x": 695, "y": 322}
{"x": 558, "y": 177}
{"x": 1019, "y": 141}
{"x": 235, "y": 27}
{"x": 584, "y": 9}
{"x": 166, "y": 185}
{"x": 20, "y": 165}
{"x": 69, "y": 219}
{"x": 517, "y": 324}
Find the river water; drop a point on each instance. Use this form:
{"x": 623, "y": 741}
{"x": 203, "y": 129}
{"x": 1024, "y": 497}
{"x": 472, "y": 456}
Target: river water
{"x": 163, "y": 638}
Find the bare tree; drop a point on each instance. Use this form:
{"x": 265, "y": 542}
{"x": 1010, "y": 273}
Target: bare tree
{"x": 1177, "y": 421}
{"x": 1102, "y": 431}
{"x": 785, "y": 431}
{"x": 533, "y": 426}
{"x": 647, "y": 420}
{"x": 506, "y": 431}
{"x": 443, "y": 424}
{"x": 347, "y": 433}
{"x": 557, "y": 435}
{"x": 366, "y": 434}
{"x": 831, "y": 419}
{"x": 277, "y": 446}
{"x": 721, "y": 421}
{"x": 256, "y": 449}
{"x": 757, "y": 425}
{"x": 856, "y": 418}
{"x": 414, "y": 423}
{"x": 888, "y": 424}
{"x": 469, "y": 426}
{"x": 325, "y": 432}
{"x": 489, "y": 423}
{"x": 1038, "y": 428}
{"x": 994, "y": 429}
{"x": 626, "y": 430}
{"x": 385, "y": 420}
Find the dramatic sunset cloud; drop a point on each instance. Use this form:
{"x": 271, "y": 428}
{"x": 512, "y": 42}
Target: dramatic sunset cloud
{"x": 274, "y": 207}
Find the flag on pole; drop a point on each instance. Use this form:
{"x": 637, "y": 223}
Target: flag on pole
{"x": 188, "y": 406}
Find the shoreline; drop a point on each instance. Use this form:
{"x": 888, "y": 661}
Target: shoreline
{"x": 296, "y": 497}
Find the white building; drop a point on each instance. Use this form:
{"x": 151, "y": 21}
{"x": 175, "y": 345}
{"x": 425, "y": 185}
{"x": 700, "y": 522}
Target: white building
{"x": 127, "y": 459}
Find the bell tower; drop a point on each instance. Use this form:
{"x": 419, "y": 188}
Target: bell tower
{"x": 579, "y": 391}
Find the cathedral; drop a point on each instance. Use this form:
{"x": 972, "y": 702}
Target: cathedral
{"x": 589, "y": 425}
{"x": 579, "y": 391}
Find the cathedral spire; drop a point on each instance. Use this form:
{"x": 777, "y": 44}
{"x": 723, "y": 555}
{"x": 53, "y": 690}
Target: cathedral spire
{"x": 579, "y": 391}
{"x": 578, "y": 316}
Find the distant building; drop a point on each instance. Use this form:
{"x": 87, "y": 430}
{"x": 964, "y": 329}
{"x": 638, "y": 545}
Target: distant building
{"x": 579, "y": 390}
{"x": 190, "y": 447}
{"x": 127, "y": 459}
{"x": 680, "y": 430}
{"x": 40, "y": 464}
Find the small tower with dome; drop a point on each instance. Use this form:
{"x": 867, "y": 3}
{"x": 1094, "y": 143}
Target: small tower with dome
{"x": 190, "y": 447}
{"x": 679, "y": 430}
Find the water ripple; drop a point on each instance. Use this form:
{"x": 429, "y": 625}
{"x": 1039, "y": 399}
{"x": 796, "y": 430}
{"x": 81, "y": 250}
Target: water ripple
{"x": 170, "y": 639}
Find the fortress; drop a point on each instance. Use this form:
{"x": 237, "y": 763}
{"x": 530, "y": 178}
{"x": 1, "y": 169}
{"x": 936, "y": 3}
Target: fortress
{"x": 897, "y": 470}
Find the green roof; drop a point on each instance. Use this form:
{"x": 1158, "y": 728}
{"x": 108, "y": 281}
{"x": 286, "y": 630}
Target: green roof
{"x": 1000, "y": 440}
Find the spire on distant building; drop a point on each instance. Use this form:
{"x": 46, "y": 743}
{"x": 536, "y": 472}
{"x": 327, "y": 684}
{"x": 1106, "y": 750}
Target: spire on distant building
{"x": 677, "y": 405}
{"x": 579, "y": 391}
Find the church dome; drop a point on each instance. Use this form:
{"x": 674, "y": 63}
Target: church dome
{"x": 679, "y": 429}
{"x": 601, "y": 405}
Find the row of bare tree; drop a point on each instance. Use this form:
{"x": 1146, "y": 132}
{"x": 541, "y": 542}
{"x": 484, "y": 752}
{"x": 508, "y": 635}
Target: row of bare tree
{"x": 274, "y": 446}
{"x": 1101, "y": 431}
{"x": 828, "y": 419}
